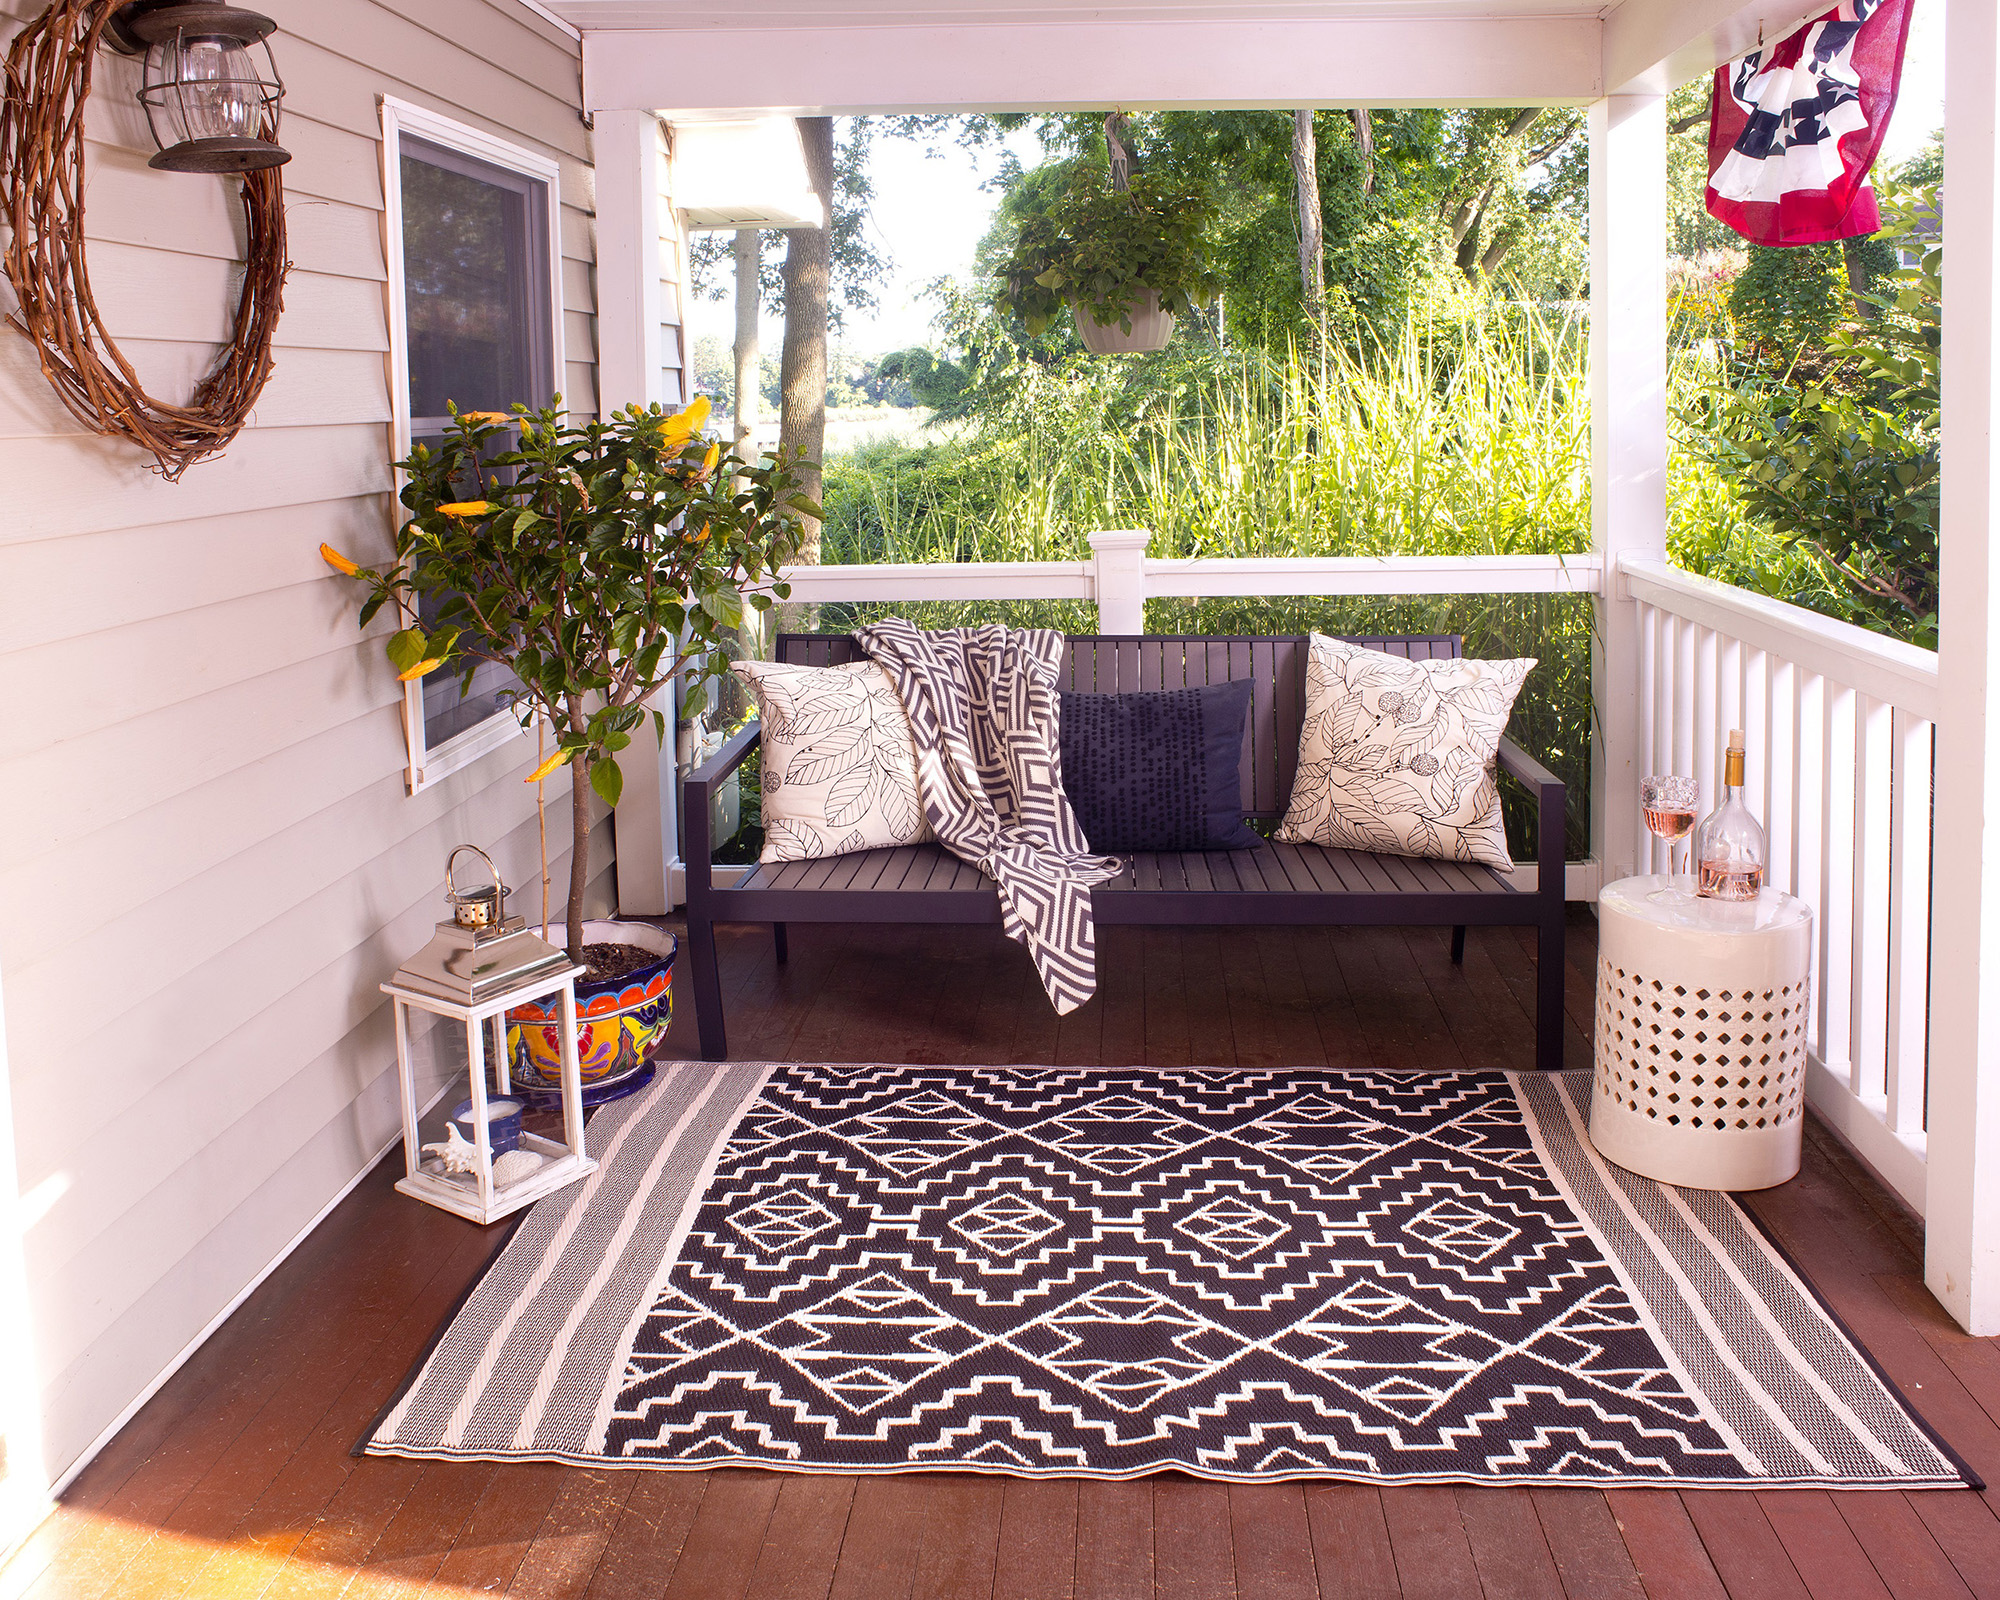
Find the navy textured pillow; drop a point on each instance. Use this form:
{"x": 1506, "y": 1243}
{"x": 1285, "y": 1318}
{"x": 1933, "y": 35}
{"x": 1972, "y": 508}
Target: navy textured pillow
{"x": 1158, "y": 770}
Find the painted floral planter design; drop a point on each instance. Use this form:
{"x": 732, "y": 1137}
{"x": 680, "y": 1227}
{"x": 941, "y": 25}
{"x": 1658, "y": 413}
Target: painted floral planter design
{"x": 618, "y": 1023}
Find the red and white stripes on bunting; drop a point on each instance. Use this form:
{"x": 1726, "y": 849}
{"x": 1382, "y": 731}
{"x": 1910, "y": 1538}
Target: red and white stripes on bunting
{"x": 1795, "y": 126}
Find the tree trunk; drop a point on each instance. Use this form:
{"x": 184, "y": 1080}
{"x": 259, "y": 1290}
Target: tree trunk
{"x": 802, "y": 367}
{"x": 1312, "y": 227}
{"x": 749, "y": 255}
{"x": 579, "y": 856}
{"x": 1364, "y": 141}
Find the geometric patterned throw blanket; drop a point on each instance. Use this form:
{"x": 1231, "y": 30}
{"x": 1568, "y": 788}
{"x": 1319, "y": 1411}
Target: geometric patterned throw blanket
{"x": 1421, "y": 1277}
{"x": 983, "y": 712}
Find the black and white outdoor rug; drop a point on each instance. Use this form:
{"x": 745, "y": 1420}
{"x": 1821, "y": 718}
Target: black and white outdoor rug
{"x": 1398, "y": 1277}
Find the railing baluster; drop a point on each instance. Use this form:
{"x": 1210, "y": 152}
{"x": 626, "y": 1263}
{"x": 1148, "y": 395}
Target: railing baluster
{"x": 1683, "y": 703}
{"x": 1909, "y": 921}
{"x": 1649, "y": 693}
{"x": 1870, "y": 866}
{"x": 1836, "y": 904}
{"x": 1807, "y": 819}
{"x": 1778, "y": 762}
{"x": 1706, "y": 738}
{"x": 1756, "y": 726}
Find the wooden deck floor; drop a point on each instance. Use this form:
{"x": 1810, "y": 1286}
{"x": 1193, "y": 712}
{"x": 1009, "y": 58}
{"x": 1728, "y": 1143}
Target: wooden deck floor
{"x": 236, "y": 1481}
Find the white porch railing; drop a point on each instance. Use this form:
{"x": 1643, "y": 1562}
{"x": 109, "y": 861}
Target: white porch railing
{"x": 1838, "y": 722}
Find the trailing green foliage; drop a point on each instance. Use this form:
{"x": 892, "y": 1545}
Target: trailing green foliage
{"x": 1788, "y": 300}
{"x": 1847, "y": 465}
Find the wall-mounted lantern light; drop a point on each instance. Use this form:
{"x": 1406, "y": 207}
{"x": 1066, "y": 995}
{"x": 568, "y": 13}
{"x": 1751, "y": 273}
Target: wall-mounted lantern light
{"x": 209, "y": 107}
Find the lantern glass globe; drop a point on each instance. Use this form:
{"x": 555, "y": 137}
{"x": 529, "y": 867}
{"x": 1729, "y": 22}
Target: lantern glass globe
{"x": 210, "y": 87}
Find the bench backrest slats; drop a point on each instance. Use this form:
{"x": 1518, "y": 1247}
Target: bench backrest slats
{"x": 1275, "y": 666}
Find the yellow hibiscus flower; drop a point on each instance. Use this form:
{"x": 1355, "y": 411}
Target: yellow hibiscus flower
{"x": 334, "y": 559}
{"x": 467, "y": 508}
{"x": 559, "y": 758}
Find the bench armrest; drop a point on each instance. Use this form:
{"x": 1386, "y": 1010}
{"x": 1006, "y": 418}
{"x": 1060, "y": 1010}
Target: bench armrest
{"x": 697, "y": 789}
{"x": 1551, "y": 815}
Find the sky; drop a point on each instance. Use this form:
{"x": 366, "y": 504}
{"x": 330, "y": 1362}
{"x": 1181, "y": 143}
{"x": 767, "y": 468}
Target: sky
{"x": 930, "y": 214}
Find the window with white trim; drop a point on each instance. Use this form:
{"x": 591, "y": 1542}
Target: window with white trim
{"x": 475, "y": 306}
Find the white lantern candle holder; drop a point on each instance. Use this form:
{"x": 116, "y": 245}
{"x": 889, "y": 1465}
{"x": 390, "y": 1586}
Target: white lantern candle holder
{"x": 481, "y": 965}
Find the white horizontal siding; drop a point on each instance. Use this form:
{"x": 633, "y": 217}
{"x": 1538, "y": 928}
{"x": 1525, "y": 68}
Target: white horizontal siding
{"x": 208, "y": 859}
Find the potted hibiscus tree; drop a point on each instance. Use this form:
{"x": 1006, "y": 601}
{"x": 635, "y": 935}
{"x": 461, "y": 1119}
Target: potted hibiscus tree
{"x": 595, "y": 562}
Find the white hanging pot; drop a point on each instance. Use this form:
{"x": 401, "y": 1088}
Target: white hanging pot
{"x": 1152, "y": 327}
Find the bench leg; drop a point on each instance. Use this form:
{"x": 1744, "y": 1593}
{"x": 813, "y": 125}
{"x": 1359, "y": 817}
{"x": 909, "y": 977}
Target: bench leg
{"x": 783, "y": 945}
{"x": 707, "y": 985}
{"x": 1458, "y": 945}
{"x": 1549, "y": 1017}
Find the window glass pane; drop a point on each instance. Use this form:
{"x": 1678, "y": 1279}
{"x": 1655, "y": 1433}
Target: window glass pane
{"x": 476, "y": 299}
{"x": 475, "y": 279}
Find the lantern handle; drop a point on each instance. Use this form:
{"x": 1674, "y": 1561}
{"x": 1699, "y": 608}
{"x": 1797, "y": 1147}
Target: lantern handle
{"x": 451, "y": 888}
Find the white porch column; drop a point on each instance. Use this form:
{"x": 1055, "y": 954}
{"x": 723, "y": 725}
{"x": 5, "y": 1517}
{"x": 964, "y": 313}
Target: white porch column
{"x": 1628, "y": 437}
{"x": 627, "y": 149}
{"x": 1962, "y": 1203}
{"x": 1119, "y": 562}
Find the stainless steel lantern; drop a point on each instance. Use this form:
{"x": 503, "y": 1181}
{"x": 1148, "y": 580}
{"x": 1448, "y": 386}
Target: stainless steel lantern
{"x": 479, "y": 965}
{"x": 210, "y": 107}
{"x": 480, "y": 951}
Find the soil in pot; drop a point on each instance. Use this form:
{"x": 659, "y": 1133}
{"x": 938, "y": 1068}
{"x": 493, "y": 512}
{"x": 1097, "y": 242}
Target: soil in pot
{"x": 607, "y": 963}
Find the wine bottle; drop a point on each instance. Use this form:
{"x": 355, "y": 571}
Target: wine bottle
{"x": 1729, "y": 846}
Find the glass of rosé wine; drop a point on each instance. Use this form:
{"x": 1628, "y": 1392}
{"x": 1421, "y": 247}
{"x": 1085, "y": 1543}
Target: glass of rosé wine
{"x": 1669, "y": 806}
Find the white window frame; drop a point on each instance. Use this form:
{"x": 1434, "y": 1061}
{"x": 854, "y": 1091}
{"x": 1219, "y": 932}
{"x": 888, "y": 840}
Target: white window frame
{"x": 399, "y": 117}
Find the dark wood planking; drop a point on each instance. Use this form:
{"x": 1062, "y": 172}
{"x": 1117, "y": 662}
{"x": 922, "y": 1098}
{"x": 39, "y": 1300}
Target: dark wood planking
{"x": 1352, "y": 1557}
{"x": 1904, "y": 1552}
{"x": 1742, "y": 1545}
{"x": 961, "y": 1543}
{"x": 1433, "y": 1558}
{"x": 1827, "y": 1557}
{"x": 1037, "y": 1555}
{"x": 1114, "y": 1540}
{"x": 573, "y": 1537}
{"x": 1508, "y": 1548}
{"x": 1193, "y": 1556}
{"x": 728, "y": 1532}
{"x": 1666, "y": 1550}
{"x": 115, "y": 1515}
{"x": 878, "y": 1550}
{"x": 494, "y": 1541}
{"x": 1968, "y": 1534}
{"x": 424, "y": 1528}
{"x": 646, "y": 1542}
{"x": 1591, "y": 1558}
{"x": 1273, "y": 1539}
{"x": 803, "y": 1541}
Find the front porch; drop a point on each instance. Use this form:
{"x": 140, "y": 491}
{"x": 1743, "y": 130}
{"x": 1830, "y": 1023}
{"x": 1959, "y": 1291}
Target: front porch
{"x": 236, "y": 1478}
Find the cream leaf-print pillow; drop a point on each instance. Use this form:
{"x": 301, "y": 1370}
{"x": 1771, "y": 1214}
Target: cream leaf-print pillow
{"x": 1397, "y": 756}
{"x": 840, "y": 769}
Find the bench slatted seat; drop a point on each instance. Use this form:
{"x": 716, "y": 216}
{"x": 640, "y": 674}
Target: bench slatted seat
{"x": 1272, "y": 885}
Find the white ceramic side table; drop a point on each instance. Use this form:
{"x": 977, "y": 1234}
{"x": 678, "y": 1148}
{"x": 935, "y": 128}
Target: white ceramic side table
{"x": 1700, "y": 1033}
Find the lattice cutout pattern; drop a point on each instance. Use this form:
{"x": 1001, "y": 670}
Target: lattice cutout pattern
{"x": 1697, "y": 1058}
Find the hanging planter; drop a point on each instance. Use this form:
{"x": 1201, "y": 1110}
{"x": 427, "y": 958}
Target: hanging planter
{"x": 1125, "y": 261}
{"x": 1147, "y": 325}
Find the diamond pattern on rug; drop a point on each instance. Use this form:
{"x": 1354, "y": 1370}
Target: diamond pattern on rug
{"x": 1403, "y": 1277}
{"x": 1132, "y": 1268}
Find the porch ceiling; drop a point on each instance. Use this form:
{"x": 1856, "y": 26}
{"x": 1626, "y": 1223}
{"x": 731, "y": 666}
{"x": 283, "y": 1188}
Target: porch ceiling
{"x": 700, "y": 59}
{"x": 648, "y": 15}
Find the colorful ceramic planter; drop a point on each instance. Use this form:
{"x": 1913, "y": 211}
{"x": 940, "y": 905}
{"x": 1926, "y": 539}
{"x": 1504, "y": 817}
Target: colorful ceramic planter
{"x": 618, "y": 1023}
